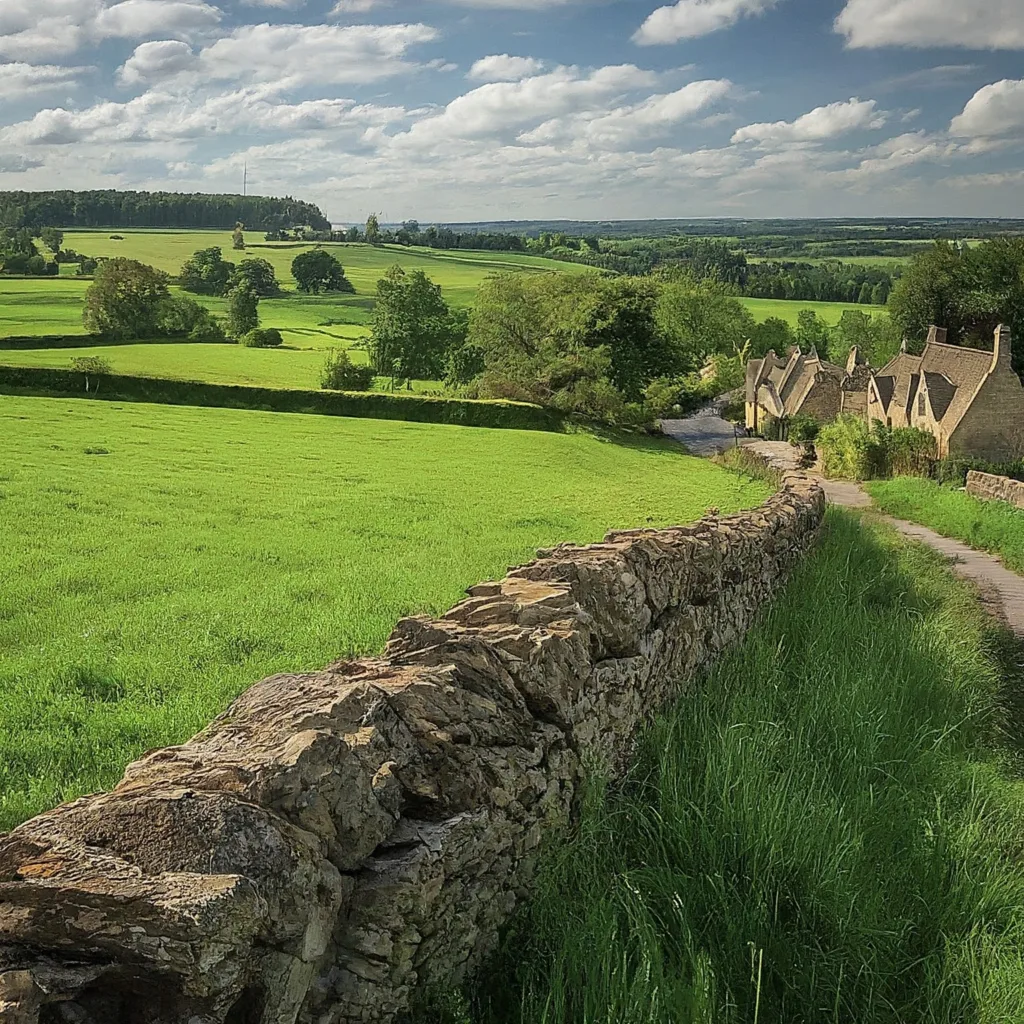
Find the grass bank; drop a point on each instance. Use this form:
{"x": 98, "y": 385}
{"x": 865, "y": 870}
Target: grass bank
{"x": 992, "y": 526}
{"x": 157, "y": 560}
{"x": 826, "y": 830}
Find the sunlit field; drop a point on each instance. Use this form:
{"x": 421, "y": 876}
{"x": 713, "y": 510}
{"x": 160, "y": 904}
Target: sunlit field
{"x": 157, "y": 560}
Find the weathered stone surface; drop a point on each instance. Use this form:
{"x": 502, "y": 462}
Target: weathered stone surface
{"x": 995, "y": 488}
{"x": 337, "y": 841}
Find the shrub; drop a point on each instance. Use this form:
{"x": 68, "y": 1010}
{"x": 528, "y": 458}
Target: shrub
{"x": 90, "y": 364}
{"x": 181, "y": 317}
{"x": 262, "y": 337}
{"x": 339, "y": 373}
{"x": 803, "y": 428}
{"x": 851, "y": 449}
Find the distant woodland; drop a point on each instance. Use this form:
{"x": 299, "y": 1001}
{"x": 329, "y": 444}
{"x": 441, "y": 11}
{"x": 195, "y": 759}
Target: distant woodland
{"x": 112, "y": 209}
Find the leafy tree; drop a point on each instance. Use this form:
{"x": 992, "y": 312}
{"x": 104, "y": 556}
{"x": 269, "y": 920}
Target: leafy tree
{"x": 812, "y": 332}
{"x": 339, "y": 373}
{"x": 772, "y": 334}
{"x": 125, "y": 300}
{"x": 464, "y": 364}
{"x": 243, "y": 311}
{"x": 258, "y": 274}
{"x": 353, "y": 234}
{"x": 412, "y": 327}
{"x": 318, "y": 271}
{"x": 52, "y": 238}
{"x": 237, "y": 237}
{"x": 969, "y": 291}
{"x": 181, "y": 317}
{"x": 372, "y": 229}
{"x": 880, "y": 293}
{"x": 206, "y": 272}
{"x": 700, "y": 318}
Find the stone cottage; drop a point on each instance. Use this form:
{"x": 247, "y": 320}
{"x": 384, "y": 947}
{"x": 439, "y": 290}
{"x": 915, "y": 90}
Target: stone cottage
{"x": 803, "y": 385}
{"x": 970, "y": 399}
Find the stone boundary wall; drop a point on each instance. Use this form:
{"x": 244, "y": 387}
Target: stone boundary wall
{"x": 339, "y": 841}
{"x": 997, "y": 488}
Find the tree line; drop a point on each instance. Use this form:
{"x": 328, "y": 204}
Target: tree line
{"x": 109, "y": 208}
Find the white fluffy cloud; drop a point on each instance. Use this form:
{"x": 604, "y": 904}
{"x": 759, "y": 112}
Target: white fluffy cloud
{"x": 690, "y": 19}
{"x": 503, "y": 68}
{"x": 157, "y": 60}
{"x": 506, "y": 108}
{"x": 19, "y": 79}
{"x": 630, "y": 123}
{"x": 38, "y": 28}
{"x": 822, "y": 123}
{"x": 996, "y": 109}
{"x": 289, "y": 56}
{"x": 974, "y": 24}
{"x": 169, "y": 117}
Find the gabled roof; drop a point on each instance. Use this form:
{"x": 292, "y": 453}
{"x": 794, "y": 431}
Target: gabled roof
{"x": 941, "y": 391}
{"x": 885, "y": 386}
{"x": 964, "y": 368}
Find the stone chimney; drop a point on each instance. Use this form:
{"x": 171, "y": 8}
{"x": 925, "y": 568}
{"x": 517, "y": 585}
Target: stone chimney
{"x": 1002, "y": 350}
{"x": 937, "y": 334}
{"x": 853, "y": 360}
{"x": 903, "y": 347}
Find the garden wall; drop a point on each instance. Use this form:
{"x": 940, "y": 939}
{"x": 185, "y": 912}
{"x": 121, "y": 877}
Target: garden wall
{"x": 339, "y": 842}
{"x": 999, "y": 488}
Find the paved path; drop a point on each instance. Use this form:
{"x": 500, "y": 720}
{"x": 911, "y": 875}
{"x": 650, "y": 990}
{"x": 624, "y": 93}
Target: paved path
{"x": 705, "y": 433}
{"x": 1002, "y": 590}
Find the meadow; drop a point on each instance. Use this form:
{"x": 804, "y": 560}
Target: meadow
{"x": 789, "y": 310}
{"x": 157, "y": 560}
{"x": 825, "y": 830}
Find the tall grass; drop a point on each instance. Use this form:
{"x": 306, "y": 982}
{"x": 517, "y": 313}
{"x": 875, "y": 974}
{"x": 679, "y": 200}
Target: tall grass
{"x": 994, "y": 526}
{"x": 822, "y": 832}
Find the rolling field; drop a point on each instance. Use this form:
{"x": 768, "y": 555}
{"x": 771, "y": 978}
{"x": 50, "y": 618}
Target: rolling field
{"x": 54, "y": 305}
{"x": 158, "y": 560}
{"x": 784, "y": 309}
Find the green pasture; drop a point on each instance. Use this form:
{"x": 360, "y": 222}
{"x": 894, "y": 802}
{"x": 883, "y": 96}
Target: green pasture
{"x": 284, "y": 367}
{"x": 789, "y": 310}
{"x": 157, "y": 560}
{"x": 54, "y": 305}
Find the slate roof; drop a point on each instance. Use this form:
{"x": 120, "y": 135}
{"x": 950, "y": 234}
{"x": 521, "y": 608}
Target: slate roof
{"x": 965, "y": 369}
{"x": 941, "y": 391}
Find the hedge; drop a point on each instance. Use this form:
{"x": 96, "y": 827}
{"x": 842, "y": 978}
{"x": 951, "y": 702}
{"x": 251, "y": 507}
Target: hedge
{"x": 32, "y": 341}
{"x": 43, "y": 381}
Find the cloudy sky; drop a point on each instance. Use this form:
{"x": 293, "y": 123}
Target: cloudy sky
{"x": 514, "y": 109}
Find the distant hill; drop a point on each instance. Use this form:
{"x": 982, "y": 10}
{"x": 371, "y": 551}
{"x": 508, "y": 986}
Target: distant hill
{"x": 114, "y": 209}
{"x": 866, "y": 229}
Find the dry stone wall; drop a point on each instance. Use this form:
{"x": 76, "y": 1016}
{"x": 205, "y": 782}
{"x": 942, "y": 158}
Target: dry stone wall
{"x": 998, "y": 488}
{"x": 338, "y": 841}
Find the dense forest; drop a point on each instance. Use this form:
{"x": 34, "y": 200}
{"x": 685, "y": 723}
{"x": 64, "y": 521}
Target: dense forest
{"x": 112, "y": 209}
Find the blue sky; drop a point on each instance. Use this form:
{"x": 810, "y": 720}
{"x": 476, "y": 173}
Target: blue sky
{"x": 518, "y": 109}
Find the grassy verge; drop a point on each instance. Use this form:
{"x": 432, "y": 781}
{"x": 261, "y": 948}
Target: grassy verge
{"x": 155, "y": 560}
{"x": 993, "y": 526}
{"x": 823, "y": 832}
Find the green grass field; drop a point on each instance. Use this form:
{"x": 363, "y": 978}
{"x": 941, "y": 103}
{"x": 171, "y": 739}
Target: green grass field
{"x": 826, "y": 830}
{"x": 54, "y": 306}
{"x": 158, "y": 560}
{"x": 993, "y": 526}
{"x": 787, "y": 310}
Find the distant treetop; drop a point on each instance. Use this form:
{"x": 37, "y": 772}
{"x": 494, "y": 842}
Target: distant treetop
{"x": 113, "y": 209}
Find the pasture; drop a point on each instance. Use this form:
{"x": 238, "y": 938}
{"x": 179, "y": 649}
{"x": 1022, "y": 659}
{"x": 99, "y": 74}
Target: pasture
{"x": 789, "y": 310}
{"x": 157, "y": 560}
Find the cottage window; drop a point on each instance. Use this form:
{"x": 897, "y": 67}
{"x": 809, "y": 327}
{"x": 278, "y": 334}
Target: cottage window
{"x": 920, "y": 404}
